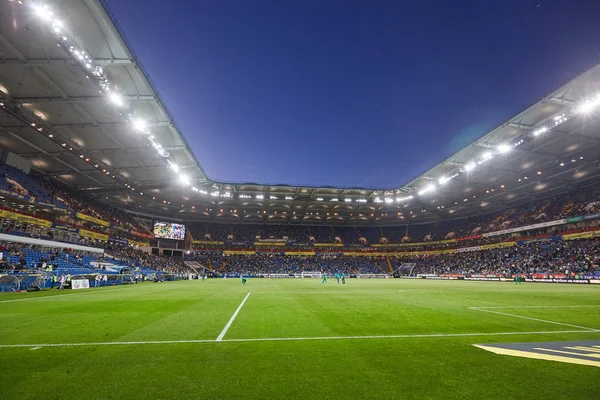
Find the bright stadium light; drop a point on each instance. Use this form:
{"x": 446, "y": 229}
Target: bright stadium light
{"x": 504, "y": 148}
{"x": 140, "y": 125}
{"x": 427, "y": 189}
{"x": 487, "y": 156}
{"x": 469, "y": 167}
{"x": 43, "y": 12}
{"x": 174, "y": 167}
{"x": 589, "y": 105}
{"x": 361, "y": 200}
{"x": 443, "y": 180}
{"x": 388, "y": 200}
{"x": 334, "y": 200}
{"x": 539, "y": 131}
{"x": 319, "y": 199}
{"x": 377, "y": 200}
{"x": 259, "y": 197}
{"x": 115, "y": 98}
{"x": 348, "y": 200}
{"x": 184, "y": 180}
{"x": 57, "y": 26}
{"x": 289, "y": 198}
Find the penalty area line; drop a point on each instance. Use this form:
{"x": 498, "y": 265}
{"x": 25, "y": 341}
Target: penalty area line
{"x": 532, "y": 319}
{"x": 224, "y": 331}
{"x": 291, "y": 339}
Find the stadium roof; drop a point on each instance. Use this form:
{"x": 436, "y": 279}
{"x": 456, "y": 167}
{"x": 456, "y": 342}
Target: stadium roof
{"x": 78, "y": 104}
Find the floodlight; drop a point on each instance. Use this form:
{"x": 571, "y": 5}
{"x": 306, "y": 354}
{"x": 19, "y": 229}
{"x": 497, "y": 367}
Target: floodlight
{"x": 174, "y": 167}
{"x": 43, "y": 12}
{"x": 140, "y": 125}
{"x": 504, "y": 148}
{"x": 589, "y": 105}
{"x": 469, "y": 167}
{"x": 115, "y": 98}
{"x": 427, "y": 189}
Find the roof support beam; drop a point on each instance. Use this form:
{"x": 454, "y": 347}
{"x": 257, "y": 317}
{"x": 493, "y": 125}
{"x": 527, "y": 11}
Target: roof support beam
{"x": 79, "y": 99}
{"x": 91, "y": 125}
{"x": 8, "y": 45}
{"x": 25, "y": 62}
{"x": 40, "y": 74}
{"x": 102, "y": 151}
{"x": 562, "y": 101}
{"x": 71, "y": 167}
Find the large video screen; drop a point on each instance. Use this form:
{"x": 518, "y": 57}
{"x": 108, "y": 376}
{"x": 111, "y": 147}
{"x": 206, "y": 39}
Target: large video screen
{"x": 169, "y": 230}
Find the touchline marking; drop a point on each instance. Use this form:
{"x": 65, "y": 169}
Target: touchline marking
{"x": 224, "y": 331}
{"x": 495, "y": 307}
{"x": 533, "y": 319}
{"x": 290, "y": 339}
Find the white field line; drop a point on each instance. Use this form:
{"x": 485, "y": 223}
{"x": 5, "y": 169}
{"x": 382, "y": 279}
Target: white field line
{"x": 109, "y": 289}
{"x": 290, "y": 339}
{"x": 224, "y": 331}
{"x": 532, "y": 319}
{"x": 313, "y": 292}
{"x": 494, "y": 307}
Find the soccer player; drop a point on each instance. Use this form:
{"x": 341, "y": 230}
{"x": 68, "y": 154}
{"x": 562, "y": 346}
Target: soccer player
{"x": 243, "y": 280}
{"x": 343, "y": 279}
{"x": 517, "y": 280}
{"x": 337, "y": 278}
{"x": 324, "y": 277}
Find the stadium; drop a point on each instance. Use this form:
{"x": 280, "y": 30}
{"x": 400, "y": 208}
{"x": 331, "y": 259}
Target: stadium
{"x": 127, "y": 272}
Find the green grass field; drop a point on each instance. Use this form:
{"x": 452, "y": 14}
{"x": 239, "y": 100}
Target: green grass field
{"x": 295, "y": 339}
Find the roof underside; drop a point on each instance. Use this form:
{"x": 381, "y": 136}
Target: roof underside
{"x": 43, "y": 78}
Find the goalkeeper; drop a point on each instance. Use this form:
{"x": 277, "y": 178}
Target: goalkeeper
{"x": 324, "y": 277}
{"x": 243, "y": 280}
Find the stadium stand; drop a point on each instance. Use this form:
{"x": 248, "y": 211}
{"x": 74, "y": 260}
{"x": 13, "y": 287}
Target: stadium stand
{"x": 104, "y": 203}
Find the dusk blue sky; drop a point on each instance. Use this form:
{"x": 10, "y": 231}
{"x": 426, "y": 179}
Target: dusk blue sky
{"x": 351, "y": 93}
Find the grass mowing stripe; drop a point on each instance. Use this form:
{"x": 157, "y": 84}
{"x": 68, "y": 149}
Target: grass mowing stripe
{"x": 533, "y": 319}
{"x": 224, "y": 331}
{"x": 284, "y": 339}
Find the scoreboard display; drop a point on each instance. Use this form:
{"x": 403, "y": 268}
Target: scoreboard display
{"x": 169, "y": 230}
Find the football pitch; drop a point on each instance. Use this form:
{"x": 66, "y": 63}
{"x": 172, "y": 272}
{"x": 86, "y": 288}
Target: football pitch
{"x": 296, "y": 339}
